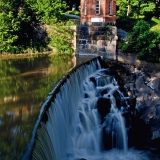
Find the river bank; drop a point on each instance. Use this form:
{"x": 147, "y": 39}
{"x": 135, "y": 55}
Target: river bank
{"x": 6, "y": 56}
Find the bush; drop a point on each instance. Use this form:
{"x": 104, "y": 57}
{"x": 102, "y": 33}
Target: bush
{"x": 61, "y": 37}
{"x": 152, "y": 51}
{"x": 144, "y": 42}
{"x": 18, "y": 23}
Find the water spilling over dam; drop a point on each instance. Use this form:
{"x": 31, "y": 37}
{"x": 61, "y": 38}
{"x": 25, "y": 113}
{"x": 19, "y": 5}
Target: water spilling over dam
{"x": 83, "y": 118}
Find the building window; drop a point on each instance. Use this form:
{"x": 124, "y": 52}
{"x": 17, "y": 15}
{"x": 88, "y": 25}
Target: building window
{"x": 97, "y": 6}
{"x": 85, "y": 8}
{"x": 110, "y": 7}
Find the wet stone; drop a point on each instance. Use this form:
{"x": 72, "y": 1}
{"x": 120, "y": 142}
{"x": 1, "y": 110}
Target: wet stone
{"x": 103, "y": 106}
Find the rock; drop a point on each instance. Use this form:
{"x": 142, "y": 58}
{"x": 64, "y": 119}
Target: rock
{"x": 119, "y": 101}
{"x": 103, "y": 105}
{"x": 149, "y": 114}
{"x": 142, "y": 85}
{"x": 156, "y": 84}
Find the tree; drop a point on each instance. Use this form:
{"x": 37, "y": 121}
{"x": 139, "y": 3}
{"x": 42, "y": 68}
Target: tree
{"x": 122, "y": 8}
{"x": 61, "y": 37}
{"x": 48, "y": 11}
{"x": 18, "y": 19}
{"x": 135, "y": 8}
{"x": 15, "y": 18}
{"x": 144, "y": 8}
{"x": 144, "y": 42}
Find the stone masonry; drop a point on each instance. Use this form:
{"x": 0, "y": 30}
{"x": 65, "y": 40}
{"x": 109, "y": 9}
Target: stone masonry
{"x": 97, "y": 33}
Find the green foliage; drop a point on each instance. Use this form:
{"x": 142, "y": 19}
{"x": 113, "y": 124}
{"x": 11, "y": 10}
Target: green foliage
{"x": 141, "y": 40}
{"x": 8, "y": 28}
{"x": 21, "y": 24}
{"x": 151, "y": 51}
{"x": 61, "y": 37}
{"x": 134, "y": 39}
{"x": 74, "y": 12}
{"x": 155, "y": 25}
{"x": 136, "y": 9}
{"x": 143, "y": 8}
{"x": 48, "y": 11}
{"x": 121, "y": 8}
{"x": 12, "y": 15}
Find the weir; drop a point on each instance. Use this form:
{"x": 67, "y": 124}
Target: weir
{"x": 82, "y": 119}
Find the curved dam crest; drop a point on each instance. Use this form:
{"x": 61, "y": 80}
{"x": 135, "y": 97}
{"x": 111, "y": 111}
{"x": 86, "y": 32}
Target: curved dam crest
{"x": 42, "y": 115}
{"x": 82, "y": 119}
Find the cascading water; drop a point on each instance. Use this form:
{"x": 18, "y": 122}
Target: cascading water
{"x": 91, "y": 127}
{"x": 84, "y": 121}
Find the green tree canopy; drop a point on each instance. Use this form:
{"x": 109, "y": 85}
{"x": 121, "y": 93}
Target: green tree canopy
{"x": 136, "y": 8}
{"x": 48, "y": 11}
{"x": 144, "y": 42}
{"x": 17, "y": 19}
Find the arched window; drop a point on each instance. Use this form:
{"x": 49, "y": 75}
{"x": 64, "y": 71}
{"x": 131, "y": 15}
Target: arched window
{"x": 85, "y": 8}
{"x": 97, "y": 6}
{"x": 110, "y": 7}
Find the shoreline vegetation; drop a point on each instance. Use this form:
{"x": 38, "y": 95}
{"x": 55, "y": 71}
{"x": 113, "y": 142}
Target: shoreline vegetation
{"x": 6, "y": 56}
{"x": 23, "y": 27}
{"x": 49, "y": 53}
{"x": 29, "y": 29}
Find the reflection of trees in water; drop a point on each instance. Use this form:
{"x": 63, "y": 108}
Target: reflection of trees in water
{"x": 16, "y": 131}
{"x": 27, "y": 75}
{"x": 21, "y": 96}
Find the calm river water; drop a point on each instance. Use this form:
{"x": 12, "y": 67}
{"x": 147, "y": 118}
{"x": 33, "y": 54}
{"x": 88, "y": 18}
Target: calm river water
{"x": 24, "y": 86}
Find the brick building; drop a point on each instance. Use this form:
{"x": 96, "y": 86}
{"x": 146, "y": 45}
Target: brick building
{"x": 97, "y": 33}
{"x": 98, "y": 11}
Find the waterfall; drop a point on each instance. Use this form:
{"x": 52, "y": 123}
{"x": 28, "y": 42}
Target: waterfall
{"x": 84, "y": 119}
{"x": 91, "y": 126}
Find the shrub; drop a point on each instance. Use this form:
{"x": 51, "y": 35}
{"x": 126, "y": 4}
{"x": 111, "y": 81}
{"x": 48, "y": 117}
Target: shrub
{"x": 144, "y": 42}
{"x": 152, "y": 51}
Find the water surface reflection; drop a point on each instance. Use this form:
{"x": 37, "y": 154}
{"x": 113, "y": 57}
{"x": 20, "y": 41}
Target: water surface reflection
{"x": 24, "y": 86}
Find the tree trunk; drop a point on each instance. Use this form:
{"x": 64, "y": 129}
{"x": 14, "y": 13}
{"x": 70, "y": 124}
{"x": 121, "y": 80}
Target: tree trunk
{"x": 128, "y": 9}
